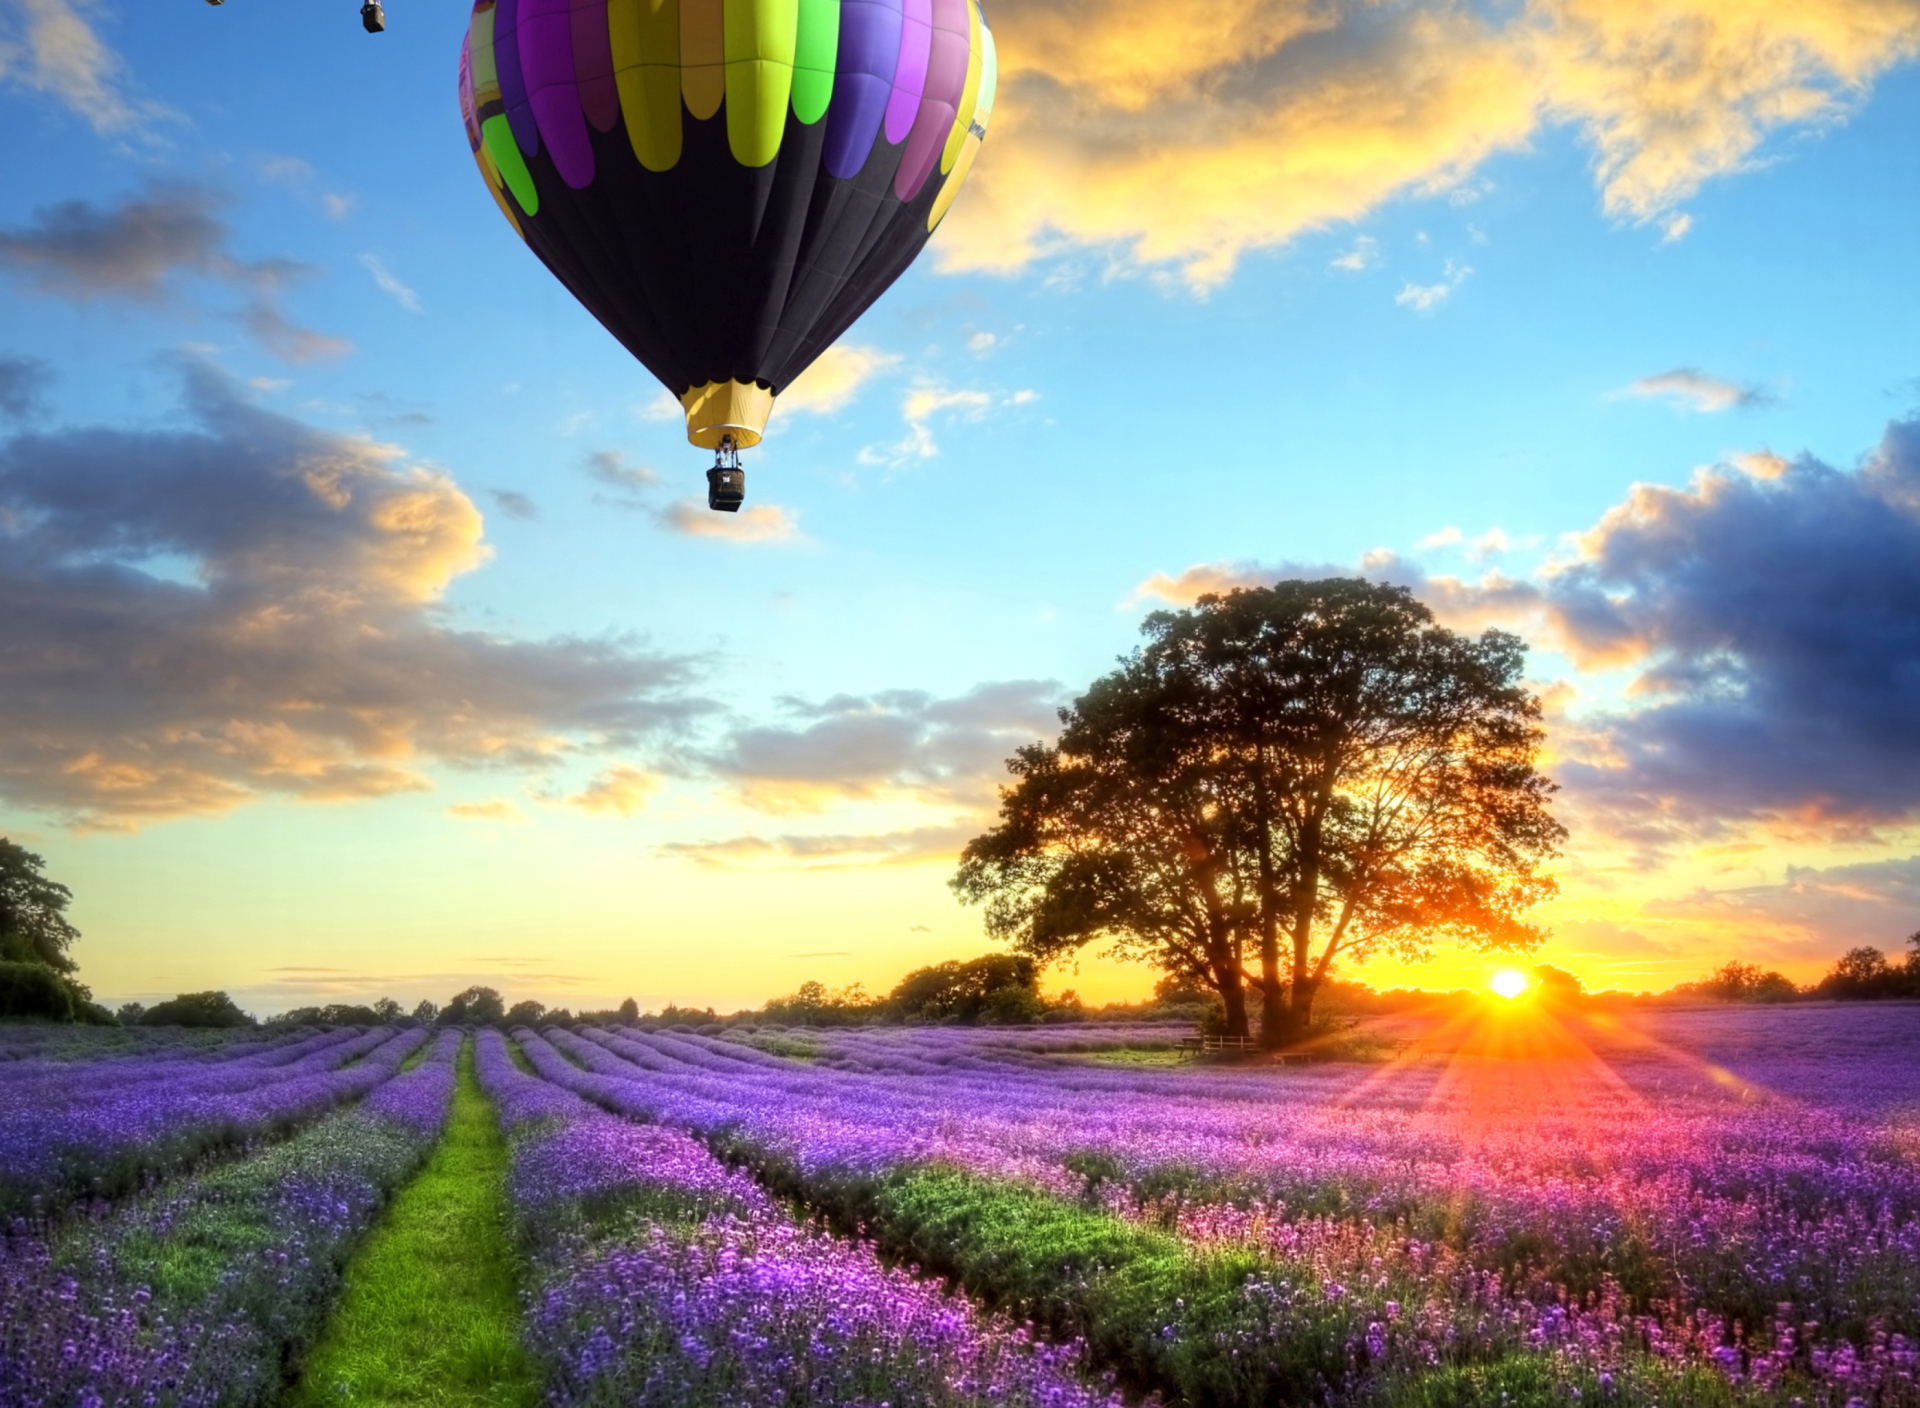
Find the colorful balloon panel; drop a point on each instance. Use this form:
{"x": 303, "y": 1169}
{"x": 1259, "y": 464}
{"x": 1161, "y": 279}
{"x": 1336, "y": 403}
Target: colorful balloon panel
{"x": 726, "y": 184}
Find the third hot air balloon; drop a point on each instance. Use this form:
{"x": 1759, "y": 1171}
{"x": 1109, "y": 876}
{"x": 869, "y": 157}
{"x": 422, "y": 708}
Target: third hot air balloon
{"x": 726, "y": 184}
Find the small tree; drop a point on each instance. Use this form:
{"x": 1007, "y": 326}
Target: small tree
{"x": 996, "y": 987}
{"x": 197, "y": 1009}
{"x": 629, "y": 1011}
{"x": 387, "y": 1010}
{"x": 33, "y": 922}
{"x": 427, "y": 1012}
{"x": 479, "y": 1005}
{"x": 525, "y": 1013}
{"x": 1863, "y": 973}
{"x": 1279, "y": 777}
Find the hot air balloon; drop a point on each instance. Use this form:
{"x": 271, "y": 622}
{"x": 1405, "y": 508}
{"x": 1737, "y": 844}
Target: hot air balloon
{"x": 726, "y": 184}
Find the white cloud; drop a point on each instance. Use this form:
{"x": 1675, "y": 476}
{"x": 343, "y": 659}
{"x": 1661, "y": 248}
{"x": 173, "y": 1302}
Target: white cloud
{"x": 923, "y": 403}
{"x": 1364, "y": 255}
{"x": 664, "y": 406}
{"x": 1424, "y": 298}
{"x": 388, "y": 283}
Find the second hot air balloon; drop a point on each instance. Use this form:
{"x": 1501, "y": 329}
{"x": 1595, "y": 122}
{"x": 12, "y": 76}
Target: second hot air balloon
{"x": 726, "y": 184}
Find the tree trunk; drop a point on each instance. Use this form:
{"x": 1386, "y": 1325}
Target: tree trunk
{"x": 1223, "y": 957}
{"x": 1234, "y": 995}
{"x": 1275, "y": 1027}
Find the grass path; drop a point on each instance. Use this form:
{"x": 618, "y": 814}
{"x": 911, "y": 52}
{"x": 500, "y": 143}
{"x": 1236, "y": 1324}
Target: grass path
{"x": 429, "y": 1317}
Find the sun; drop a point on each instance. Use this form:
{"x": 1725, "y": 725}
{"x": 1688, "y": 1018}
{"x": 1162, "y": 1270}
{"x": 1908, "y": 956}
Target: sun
{"x": 1510, "y": 983}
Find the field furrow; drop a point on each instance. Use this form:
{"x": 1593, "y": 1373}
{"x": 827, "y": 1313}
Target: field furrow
{"x": 200, "y": 1293}
{"x": 1378, "y": 1230}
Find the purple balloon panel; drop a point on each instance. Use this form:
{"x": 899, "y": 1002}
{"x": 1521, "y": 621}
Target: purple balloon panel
{"x": 513, "y": 83}
{"x": 593, "y": 65}
{"x": 546, "y": 64}
{"x": 467, "y": 117}
{"x": 863, "y": 82}
{"x": 940, "y": 104}
{"x": 910, "y": 74}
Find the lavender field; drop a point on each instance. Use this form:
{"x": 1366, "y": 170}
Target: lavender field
{"x": 1719, "y": 1206}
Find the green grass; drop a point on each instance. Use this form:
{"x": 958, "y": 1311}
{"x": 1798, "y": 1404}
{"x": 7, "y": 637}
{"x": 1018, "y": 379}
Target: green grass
{"x": 430, "y": 1317}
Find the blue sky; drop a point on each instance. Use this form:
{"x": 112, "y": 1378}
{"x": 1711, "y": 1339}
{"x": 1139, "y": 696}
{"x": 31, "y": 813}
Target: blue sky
{"x": 1423, "y": 291}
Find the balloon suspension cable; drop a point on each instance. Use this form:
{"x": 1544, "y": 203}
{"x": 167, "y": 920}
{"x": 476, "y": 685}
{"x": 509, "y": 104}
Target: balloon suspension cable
{"x": 726, "y": 481}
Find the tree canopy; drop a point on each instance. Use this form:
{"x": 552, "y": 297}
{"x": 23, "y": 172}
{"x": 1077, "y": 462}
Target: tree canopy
{"x": 476, "y": 1004}
{"x": 196, "y": 1009}
{"x": 33, "y": 922}
{"x": 1279, "y": 778}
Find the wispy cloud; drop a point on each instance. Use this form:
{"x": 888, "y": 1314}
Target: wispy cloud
{"x": 49, "y": 47}
{"x": 515, "y": 504}
{"x": 140, "y": 249}
{"x": 23, "y": 386}
{"x": 927, "y": 402}
{"x": 619, "y": 791}
{"x": 493, "y": 809}
{"x": 1424, "y": 298}
{"x": 835, "y": 379}
{"x": 1696, "y": 390}
{"x": 1364, "y": 255}
{"x": 755, "y": 523}
{"x": 385, "y": 280}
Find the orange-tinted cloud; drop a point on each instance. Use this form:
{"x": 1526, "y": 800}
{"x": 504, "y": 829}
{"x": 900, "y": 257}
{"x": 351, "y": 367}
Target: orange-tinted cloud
{"x": 1187, "y": 135}
{"x": 248, "y": 606}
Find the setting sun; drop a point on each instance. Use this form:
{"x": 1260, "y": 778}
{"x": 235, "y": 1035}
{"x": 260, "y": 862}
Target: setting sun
{"x": 1510, "y": 983}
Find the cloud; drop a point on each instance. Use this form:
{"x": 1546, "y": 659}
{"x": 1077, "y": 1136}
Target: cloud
{"x": 621, "y": 791}
{"x": 299, "y": 177}
{"x": 1772, "y": 628}
{"x": 388, "y": 283}
{"x": 610, "y": 467}
{"x": 1767, "y": 626}
{"x": 1186, "y": 136}
{"x": 664, "y": 406}
{"x": 926, "y": 400}
{"x": 493, "y": 809}
{"x": 756, "y": 523}
{"x": 1424, "y": 298}
{"x": 23, "y": 385}
{"x": 835, "y": 379}
{"x": 920, "y": 845}
{"x": 514, "y": 504}
{"x": 248, "y": 607}
{"x": 48, "y": 47}
{"x": 1364, "y": 255}
{"x": 1693, "y": 388}
{"x": 289, "y": 341}
{"x": 1814, "y": 913}
{"x": 137, "y": 250}
{"x": 897, "y": 743}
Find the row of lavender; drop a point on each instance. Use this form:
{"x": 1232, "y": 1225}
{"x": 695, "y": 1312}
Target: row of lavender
{"x": 196, "y": 1294}
{"x": 664, "y": 1278}
{"x": 1600, "y": 1210}
{"x": 99, "y": 1128}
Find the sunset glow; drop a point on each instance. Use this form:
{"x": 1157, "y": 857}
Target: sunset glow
{"x": 1509, "y": 983}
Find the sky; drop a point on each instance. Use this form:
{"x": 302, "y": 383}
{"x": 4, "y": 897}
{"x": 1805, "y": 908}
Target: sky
{"x": 362, "y": 630}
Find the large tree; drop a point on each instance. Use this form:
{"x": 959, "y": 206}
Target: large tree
{"x": 33, "y": 921}
{"x": 1279, "y": 778}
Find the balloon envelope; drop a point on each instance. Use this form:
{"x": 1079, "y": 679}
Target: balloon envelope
{"x": 726, "y": 184}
